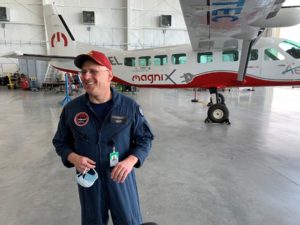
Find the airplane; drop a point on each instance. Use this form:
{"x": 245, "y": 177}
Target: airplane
{"x": 227, "y": 50}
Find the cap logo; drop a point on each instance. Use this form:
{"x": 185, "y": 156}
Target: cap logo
{"x": 81, "y": 119}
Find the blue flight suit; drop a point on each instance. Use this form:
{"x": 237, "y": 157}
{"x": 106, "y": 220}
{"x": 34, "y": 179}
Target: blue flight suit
{"x": 81, "y": 131}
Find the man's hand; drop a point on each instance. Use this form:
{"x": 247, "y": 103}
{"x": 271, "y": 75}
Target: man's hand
{"x": 81, "y": 163}
{"x": 123, "y": 168}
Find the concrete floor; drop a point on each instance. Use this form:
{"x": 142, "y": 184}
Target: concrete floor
{"x": 205, "y": 174}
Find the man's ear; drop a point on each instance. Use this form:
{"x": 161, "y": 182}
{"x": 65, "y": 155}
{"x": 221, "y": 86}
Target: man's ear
{"x": 110, "y": 76}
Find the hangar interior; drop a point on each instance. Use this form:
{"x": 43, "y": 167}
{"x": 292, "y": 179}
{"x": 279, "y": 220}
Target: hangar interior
{"x": 198, "y": 173}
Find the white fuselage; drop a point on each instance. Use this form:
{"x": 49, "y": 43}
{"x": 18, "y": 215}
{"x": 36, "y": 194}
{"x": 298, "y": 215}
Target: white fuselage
{"x": 159, "y": 68}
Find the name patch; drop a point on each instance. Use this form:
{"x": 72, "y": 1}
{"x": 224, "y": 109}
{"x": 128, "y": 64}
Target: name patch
{"x": 118, "y": 119}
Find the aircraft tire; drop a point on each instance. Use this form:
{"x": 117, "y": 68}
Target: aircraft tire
{"x": 218, "y": 113}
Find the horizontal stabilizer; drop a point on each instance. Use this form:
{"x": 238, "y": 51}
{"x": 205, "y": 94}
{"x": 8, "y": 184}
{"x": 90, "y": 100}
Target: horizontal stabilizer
{"x": 20, "y": 55}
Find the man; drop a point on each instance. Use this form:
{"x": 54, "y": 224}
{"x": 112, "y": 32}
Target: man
{"x": 107, "y": 132}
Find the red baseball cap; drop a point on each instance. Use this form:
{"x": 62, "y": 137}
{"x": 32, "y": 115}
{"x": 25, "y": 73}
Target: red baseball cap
{"x": 98, "y": 57}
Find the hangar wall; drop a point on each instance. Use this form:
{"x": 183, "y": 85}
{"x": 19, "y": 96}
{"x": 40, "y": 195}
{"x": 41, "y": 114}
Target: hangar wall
{"x": 126, "y": 24}
{"x": 24, "y": 31}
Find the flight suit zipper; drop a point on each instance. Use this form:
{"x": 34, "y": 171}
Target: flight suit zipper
{"x": 100, "y": 132}
{"x": 98, "y": 129}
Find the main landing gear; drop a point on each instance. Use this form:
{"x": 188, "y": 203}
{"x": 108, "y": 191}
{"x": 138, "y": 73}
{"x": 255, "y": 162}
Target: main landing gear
{"x": 217, "y": 111}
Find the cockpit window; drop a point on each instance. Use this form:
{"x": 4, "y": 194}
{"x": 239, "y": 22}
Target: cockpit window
{"x": 253, "y": 55}
{"x": 272, "y": 54}
{"x": 129, "y": 61}
{"x": 292, "y": 48}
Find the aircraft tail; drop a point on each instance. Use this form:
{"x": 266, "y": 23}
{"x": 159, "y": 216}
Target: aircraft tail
{"x": 60, "y": 40}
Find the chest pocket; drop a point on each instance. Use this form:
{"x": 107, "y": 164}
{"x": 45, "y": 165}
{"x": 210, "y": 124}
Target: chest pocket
{"x": 119, "y": 136}
{"x": 87, "y": 133}
{"x": 118, "y": 129}
{"x": 115, "y": 126}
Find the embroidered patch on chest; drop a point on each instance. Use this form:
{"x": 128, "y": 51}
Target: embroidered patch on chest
{"x": 81, "y": 119}
{"x": 118, "y": 119}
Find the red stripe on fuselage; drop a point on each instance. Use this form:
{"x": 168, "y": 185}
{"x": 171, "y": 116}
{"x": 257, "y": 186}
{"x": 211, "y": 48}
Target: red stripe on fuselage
{"x": 217, "y": 79}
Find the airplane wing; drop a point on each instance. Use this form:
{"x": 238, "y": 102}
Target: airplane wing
{"x": 64, "y": 63}
{"x": 218, "y": 24}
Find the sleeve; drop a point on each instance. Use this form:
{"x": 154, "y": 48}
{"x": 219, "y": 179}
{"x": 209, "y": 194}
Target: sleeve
{"x": 63, "y": 140}
{"x": 142, "y": 137}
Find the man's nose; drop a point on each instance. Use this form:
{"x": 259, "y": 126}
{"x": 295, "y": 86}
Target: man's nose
{"x": 86, "y": 74}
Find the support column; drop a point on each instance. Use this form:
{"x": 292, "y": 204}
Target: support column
{"x": 129, "y": 2}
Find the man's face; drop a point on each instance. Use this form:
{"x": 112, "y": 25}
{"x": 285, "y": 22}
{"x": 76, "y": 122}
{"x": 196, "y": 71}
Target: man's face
{"x": 95, "y": 78}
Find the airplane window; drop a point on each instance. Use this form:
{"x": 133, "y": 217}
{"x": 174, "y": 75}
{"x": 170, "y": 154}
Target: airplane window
{"x": 292, "y": 48}
{"x": 145, "y": 61}
{"x": 230, "y": 56}
{"x": 179, "y": 58}
{"x": 204, "y": 57}
{"x": 295, "y": 53}
{"x": 253, "y": 55}
{"x": 272, "y": 54}
{"x": 129, "y": 61}
{"x": 160, "y": 60}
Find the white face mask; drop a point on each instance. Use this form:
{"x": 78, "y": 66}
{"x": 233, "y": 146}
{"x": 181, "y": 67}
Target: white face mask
{"x": 86, "y": 179}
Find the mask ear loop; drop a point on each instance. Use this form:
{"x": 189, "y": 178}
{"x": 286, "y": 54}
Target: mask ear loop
{"x": 83, "y": 173}
{"x": 85, "y": 170}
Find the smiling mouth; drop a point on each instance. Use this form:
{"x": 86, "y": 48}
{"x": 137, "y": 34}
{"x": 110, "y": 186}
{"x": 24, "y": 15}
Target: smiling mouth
{"x": 89, "y": 83}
